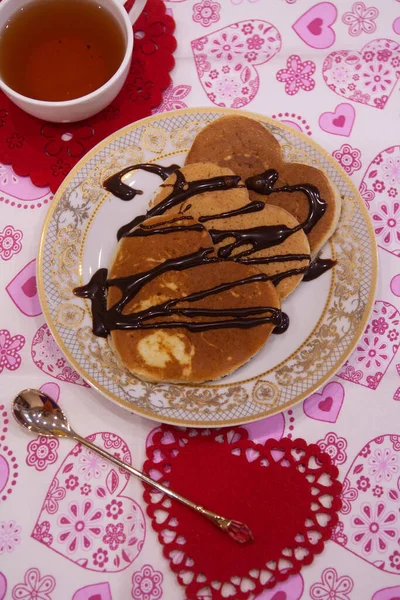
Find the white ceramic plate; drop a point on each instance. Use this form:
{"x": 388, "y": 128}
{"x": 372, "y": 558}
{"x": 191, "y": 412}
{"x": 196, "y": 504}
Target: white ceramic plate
{"x": 327, "y": 315}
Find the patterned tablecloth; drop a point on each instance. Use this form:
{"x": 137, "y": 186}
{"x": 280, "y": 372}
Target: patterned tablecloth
{"x": 334, "y": 76}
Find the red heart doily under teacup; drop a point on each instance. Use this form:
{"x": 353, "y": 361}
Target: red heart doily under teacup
{"x": 47, "y": 152}
{"x": 287, "y": 492}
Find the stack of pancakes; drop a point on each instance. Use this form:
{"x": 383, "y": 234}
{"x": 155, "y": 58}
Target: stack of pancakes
{"x": 209, "y": 288}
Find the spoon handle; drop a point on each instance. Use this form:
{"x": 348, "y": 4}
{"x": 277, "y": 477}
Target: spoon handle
{"x": 238, "y": 531}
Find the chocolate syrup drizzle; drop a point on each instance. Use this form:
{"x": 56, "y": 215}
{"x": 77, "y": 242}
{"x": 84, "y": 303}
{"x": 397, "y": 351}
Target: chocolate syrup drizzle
{"x": 106, "y": 320}
{"x": 116, "y": 186}
{"x": 258, "y": 238}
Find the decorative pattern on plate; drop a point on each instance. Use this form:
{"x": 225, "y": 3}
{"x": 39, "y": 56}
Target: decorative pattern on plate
{"x": 261, "y": 387}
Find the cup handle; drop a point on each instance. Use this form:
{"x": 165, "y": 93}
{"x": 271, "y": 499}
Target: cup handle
{"x": 136, "y": 9}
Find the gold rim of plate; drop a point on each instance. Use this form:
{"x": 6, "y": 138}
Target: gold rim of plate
{"x": 271, "y": 389}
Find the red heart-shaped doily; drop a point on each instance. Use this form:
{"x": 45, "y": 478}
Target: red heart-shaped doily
{"x": 286, "y": 492}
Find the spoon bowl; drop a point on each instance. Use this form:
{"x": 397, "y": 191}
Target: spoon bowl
{"x": 37, "y": 412}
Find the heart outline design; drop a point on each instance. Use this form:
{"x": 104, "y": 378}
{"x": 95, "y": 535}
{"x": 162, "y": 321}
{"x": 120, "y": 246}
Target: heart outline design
{"x": 369, "y": 76}
{"x": 375, "y": 350}
{"x": 229, "y": 77}
{"x": 370, "y": 493}
{"x": 88, "y": 490}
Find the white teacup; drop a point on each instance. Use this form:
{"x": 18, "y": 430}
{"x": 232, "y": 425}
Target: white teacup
{"x": 86, "y": 106}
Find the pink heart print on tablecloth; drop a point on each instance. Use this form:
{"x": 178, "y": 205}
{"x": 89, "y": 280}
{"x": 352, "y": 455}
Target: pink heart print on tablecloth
{"x": 339, "y": 122}
{"x": 226, "y": 60}
{"x": 48, "y": 357}
{"x": 390, "y": 593}
{"x": 325, "y": 405}
{"x": 85, "y": 517}
{"x": 23, "y": 291}
{"x": 369, "y": 76}
{"x": 291, "y": 589}
{"x": 96, "y": 591}
{"x": 370, "y": 520}
{"x": 380, "y": 188}
{"x": 314, "y": 27}
{"x": 376, "y": 348}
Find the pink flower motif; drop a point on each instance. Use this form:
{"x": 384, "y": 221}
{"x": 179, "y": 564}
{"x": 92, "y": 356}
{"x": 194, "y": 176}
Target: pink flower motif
{"x": 147, "y": 584}
{"x": 42, "y": 452}
{"x": 80, "y": 526}
{"x": 391, "y": 170}
{"x": 384, "y": 55}
{"x": 251, "y": 56}
{"x": 348, "y": 158}
{"x": 332, "y": 587}
{"x": 54, "y": 496}
{"x": 227, "y": 47}
{"x": 10, "y": 242}
{"x": 34, "y": 587}
{"x": 365, "y": 451}
{"x": 363, "y": 483}
{"x": 377, "y": 491}
{"x": 228, "y": 88}
{"x": 338, "y": 534}
{"x": 114, "y": 509}
{"x": 111, "y": 440}
{"x": 297, "y": 75}
{"x": 378, "y": 186}
{"x": 100, "y": 558}
{"x": 91, "y": 465}
{"x": 9, "y": 347}
{"x": 86, "y": 489}
{"x": 358, "y": 96}
{"x": 255, "y": 42}
{"x": 226, "y": 69}
{"x": 384, "y": 464}
{"x": 202, "y": 64}
{"x": 206, "y": 12}
{"x": 247, "y": 29}
{"x": 374, "y": 528}
{"x": 377, "y": 77}
{"x": 379, "y": 325}
{"x": 334, "y": 446}
{"x": 71, "y": 482}
{"x": 386, "y": 223}
{"x": 213, "y": 74}
{"x": 199, "y": 43}
{"x": 393, "y": 334}
{"x": 350, "y": 374}
{"x": 378, "y": 159}
{"x": 395, "y": 560}
{"x": 348, "y": 496}
{"x": 173, "y": 98}
{"x": 372, "y": 352}
{"x": 42, "y": 534}
{"x": 114, "y": 535}
{"x": 361, "y": 19}
{"x": 392, "y": 192}
{"x": 9, "y": 536}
